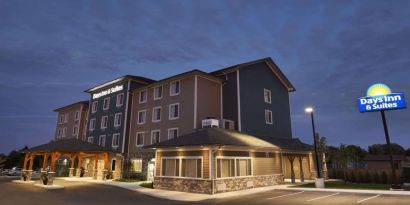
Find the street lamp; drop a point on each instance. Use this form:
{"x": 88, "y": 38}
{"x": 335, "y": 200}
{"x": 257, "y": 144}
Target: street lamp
{"x": 319, "y": 181}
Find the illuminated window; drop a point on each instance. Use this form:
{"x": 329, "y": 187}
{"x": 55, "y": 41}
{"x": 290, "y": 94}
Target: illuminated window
{"x": 267, "y": 95}
{"x": 156, "y": 114}
{"x": 104, "y": 122}
{"x": 142, "y": 115}
{"x": 90, "y": 139}
{"x": 268, "y": 117}
{"x": 106, "y": 103}
{"x": 101, "y": 142}
{"x": 172, "y": 133}
{"x": 139, "y": 141}
{"x": 115, "y": 140}
{"x": 117, "y": 119}
{"x": 174, "y": 88}
{"x": 120, "y": 100}
{"x": 170, "y": 167}
{"x": 191, "y": 168}
{"x": 136, "y": 165}
{"x": 174, "y": 111}
{"x": 143, "y": 96}
{"x": 158, "y": 93}
{"x": 233, "y": 167}
{"x": 155, "y": 136}
{"x": 94, "y": 107}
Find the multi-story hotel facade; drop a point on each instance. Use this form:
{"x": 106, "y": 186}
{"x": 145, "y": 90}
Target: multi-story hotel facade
{"x": 72, "y": 121}
{"x": 196, "y": 131}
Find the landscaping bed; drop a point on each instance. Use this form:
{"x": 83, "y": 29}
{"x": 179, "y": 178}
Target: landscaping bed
{"x": 343, "y": 185}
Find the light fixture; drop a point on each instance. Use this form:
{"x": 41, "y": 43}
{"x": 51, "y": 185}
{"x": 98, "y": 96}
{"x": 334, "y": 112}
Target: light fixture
{"x": 309, "y": 110}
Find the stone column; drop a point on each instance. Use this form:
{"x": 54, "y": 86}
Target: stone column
{"x": 50, "y": 177}
{"x": 324, "y": 167}
{"x": 78, "y": 170}
{"x": 95, "y": 171}
{"x": 70, "y": 172}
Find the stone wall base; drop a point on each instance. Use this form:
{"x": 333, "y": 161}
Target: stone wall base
{"x": 217, "y": 185}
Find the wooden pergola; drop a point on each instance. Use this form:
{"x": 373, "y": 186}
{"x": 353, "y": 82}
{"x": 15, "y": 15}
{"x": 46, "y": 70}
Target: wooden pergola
{"x": 72, "y": 149}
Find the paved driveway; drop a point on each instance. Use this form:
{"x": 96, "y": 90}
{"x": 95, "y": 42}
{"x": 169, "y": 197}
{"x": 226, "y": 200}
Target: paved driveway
{"x": 89, "y": 194}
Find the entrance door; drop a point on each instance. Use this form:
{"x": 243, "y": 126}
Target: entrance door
{"x": 151, "y": 170}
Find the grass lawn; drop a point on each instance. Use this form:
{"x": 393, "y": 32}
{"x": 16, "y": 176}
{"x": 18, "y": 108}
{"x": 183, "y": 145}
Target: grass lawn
{"x": 149, "y": 185}
{"x": 127, "y": 180}
{"x": 342, "y": 185}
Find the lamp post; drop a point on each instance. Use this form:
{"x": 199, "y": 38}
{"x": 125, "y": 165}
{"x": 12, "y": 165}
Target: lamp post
{"x": 319, "y": 181}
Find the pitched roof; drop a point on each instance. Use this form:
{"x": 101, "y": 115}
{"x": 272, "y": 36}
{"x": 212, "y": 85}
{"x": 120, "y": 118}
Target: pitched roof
{"x": 69, "y": 145}
{"x": 85, "y": 102}
{"x": 125, "y": 77}
{"x": 275, "y": 69}
{"x": 224, "y": 137}
{"x": 191, "y": 72}
{"x": 384, "y": 158}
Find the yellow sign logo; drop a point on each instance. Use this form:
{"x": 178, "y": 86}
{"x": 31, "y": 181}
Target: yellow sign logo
{"x": 378, "y": 90}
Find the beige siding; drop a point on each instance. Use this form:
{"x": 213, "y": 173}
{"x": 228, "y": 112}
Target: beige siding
{"x": 266, "y": 166}
{"x": 209, "y": 100}
{"x": 71, "y": 123}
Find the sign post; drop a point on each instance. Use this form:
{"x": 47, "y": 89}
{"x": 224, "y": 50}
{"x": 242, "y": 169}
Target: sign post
{"x": 380, "y": 98}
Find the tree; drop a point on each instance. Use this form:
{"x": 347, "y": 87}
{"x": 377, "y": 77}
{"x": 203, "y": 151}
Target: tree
{"x": 15, "y": 158}
{"x": 381, "y": 149}
{"x": 408, "y": 152}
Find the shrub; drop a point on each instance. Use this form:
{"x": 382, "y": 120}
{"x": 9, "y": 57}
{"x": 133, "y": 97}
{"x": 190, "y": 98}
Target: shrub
{"x": 376, "y": 177}
{"x": 384, "y": 178}
{"x": 149, "y": 185}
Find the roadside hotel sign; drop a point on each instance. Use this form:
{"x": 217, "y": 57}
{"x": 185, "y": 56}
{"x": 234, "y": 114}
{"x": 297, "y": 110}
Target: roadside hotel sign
{"x": 379, "y": 97}
{"x": 108, "y": 91}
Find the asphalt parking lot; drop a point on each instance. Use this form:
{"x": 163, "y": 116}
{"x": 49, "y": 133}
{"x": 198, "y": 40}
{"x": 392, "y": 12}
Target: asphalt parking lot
{"x": 88, "y": 194}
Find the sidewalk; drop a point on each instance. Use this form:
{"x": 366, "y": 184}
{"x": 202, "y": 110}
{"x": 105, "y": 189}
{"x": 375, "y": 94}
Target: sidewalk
{"x": 184, "y": 196}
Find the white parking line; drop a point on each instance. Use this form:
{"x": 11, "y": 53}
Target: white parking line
{"x": 322, "y": 197}
{"x": 286, "y": 195}
{"x": 367, "y": 199}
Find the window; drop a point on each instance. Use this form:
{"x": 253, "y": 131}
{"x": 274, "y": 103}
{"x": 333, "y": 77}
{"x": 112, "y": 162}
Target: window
{"x": 59, "y": 132}
{"x": 268, "y": 117}
{"x": 77, "y": 115}
{"x": 101, "y": 142}
{"x": 94, "y": 107}
{"x": 142, "y": 115}
{"x": 174, "y": 111}
{"x": 156, "y": 114}
{"x": 231, "y": 167}
{"x": 104, "y": 122}
{"x": 267, "y": 95}
{"x": 66, "y": 118}
{"x": 115, "y": 140}
{"x": 143, "y": 96}
{"x": 172, "y": 133}
{"x": 90, "y": 139}
{"x": 139, "y": 141}
{"x": 106, "y": 103}
{"x": 92, "y": 124}
{"x": 158, "y": 93}
{"x": 155, "y": 136}
{"x": 136, "y": 165}
{"x": 190, "y": 167}
{"x": 61, "y": 121}
{"x": 75, "y": 130}
{"x": 64, "y": 132}
{"x": 117, "y": 119}
{"x": 113, "y": 162}
{"x": 120, "y": 100}
{"x": 174, "y": 88}
{"x": 170, "y": 167}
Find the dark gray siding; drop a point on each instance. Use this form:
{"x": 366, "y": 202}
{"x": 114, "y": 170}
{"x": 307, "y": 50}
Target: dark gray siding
{"x": 253, "y": 80}
{"x": 230, "y": 98}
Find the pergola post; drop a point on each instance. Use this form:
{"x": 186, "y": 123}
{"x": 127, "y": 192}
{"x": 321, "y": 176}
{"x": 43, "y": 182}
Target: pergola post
{"x": 95, "y": 171}
{"x": 302, "y": 176}
{"x": 71, "y": 169}
{"x": 54, "y": 157}
{"x": 106, "y": 166}
{"x": 26, "y": 174}
{"x": 80, "y": 161}
{"x": 45, "y": 160}
{"x": 292, "y": 170}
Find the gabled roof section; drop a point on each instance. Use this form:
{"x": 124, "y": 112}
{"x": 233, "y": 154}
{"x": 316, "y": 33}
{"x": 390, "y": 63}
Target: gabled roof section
{"x": 71, "y": 105}
{"x": 120, "y": 79}
{"x": 275, "y": 69}
{"x": 224, "y": 137}
{"x": 181, "y": 75}
{"x": 69, "y": 145}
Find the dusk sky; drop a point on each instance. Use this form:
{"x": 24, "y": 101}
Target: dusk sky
{"x": 332, "y": 51}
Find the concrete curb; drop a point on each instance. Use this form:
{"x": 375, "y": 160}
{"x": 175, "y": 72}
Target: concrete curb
{"x": 359, "y": 191}
{"x": 50, "y": 187}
